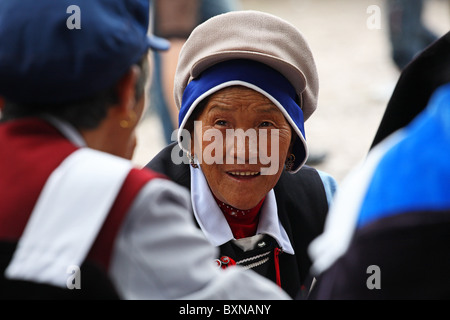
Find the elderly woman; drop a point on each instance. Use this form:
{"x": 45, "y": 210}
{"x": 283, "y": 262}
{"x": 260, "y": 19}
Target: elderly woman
{"x": 245, "y": 83}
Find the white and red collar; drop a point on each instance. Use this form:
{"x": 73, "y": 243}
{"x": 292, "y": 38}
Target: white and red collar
{"x": 214, "y": 225}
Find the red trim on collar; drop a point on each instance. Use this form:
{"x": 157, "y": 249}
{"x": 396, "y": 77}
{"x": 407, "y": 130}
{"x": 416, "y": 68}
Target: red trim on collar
{"x": 104, "y": 244}
{"x": 243, "y": 223}
{"x": 30, "y": 150}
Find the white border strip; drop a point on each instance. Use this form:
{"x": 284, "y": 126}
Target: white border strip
{"x": 67, "y": 217}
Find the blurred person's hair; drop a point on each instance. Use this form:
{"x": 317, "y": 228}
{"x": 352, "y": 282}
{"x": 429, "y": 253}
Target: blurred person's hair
{"x": 85, "y": 113}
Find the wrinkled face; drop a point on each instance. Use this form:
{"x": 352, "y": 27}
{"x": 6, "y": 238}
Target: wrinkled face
{"x": 245, "y": 140}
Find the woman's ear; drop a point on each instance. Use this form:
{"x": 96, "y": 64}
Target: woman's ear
{"x": 126, "y": 90}
{"x": 291, "y": 145}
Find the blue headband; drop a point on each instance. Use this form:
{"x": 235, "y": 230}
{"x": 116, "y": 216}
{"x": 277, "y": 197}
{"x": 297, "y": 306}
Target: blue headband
{"x": 254, "y": 75}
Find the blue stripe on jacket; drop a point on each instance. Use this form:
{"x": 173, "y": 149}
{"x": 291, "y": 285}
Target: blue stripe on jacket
{"x": 414, "y": 175}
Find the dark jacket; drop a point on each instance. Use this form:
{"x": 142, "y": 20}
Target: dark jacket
{"x": 302, "y": 207}
{"x": 417, "y": 82}
{"x": 402, "y": 251}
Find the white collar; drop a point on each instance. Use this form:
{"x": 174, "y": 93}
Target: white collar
{"x": 214, "y": 225}
{"x": 67, "y": 130}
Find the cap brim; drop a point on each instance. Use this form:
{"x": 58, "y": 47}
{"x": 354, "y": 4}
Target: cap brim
{"x": 157, "y": 43}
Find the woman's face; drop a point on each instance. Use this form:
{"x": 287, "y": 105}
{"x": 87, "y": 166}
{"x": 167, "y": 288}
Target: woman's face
{"x": 239, "y": 174}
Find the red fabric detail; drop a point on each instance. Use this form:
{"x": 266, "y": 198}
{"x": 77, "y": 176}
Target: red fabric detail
{"x": 276, "y": 255}
{"x": 225, "y": 262}
{"x": 102, "y": 249}
{"x": 30, "y": 149}
{"x": 242, "y": 226}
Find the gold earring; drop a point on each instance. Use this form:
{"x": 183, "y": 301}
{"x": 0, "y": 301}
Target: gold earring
{"x": 290, "y": 162}
{"x": 128, "y": 123}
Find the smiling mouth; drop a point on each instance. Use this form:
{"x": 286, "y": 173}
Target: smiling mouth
{"x": 243, "y": 174}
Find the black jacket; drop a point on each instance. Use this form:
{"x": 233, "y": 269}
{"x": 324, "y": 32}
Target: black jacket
{"x": 302, "y": 208}
{"x": 417, "y": 82}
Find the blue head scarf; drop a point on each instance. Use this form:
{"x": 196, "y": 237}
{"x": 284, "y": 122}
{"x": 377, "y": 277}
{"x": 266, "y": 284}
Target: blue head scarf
{"x": 256, "y": 76}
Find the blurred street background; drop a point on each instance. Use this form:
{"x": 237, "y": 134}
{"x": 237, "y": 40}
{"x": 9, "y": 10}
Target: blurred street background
{"x": 356, "y": 72}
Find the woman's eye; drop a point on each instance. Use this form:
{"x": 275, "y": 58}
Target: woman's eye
{"x": 266, "y": 124}
{"x": 221, "y": 123}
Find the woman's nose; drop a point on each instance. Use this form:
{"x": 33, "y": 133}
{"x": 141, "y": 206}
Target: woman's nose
{"x": 242, "y": 146}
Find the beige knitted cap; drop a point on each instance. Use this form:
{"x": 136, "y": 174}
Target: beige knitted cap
{"x": 250, "y": 35}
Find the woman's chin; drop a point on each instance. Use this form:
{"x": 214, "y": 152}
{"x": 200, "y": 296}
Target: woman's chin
{"x": 242, "y": 202}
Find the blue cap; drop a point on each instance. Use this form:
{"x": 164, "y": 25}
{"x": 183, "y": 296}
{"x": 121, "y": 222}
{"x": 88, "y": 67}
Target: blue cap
{"x": 53, "y": 51}
{"x": 256, "y": 76}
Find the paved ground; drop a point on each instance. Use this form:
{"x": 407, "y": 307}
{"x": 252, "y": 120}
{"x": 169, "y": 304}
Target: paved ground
{"x": 355, "y": 71}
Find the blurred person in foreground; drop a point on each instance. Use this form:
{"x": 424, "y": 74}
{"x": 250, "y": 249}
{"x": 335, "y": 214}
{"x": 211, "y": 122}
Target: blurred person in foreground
{"x": 245, "y": 83}
{"x": 417, "y": 82}
{"x": 72, "y": 205}
{"x": 408, "y": 33}
{"x": 388, "y": 231}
